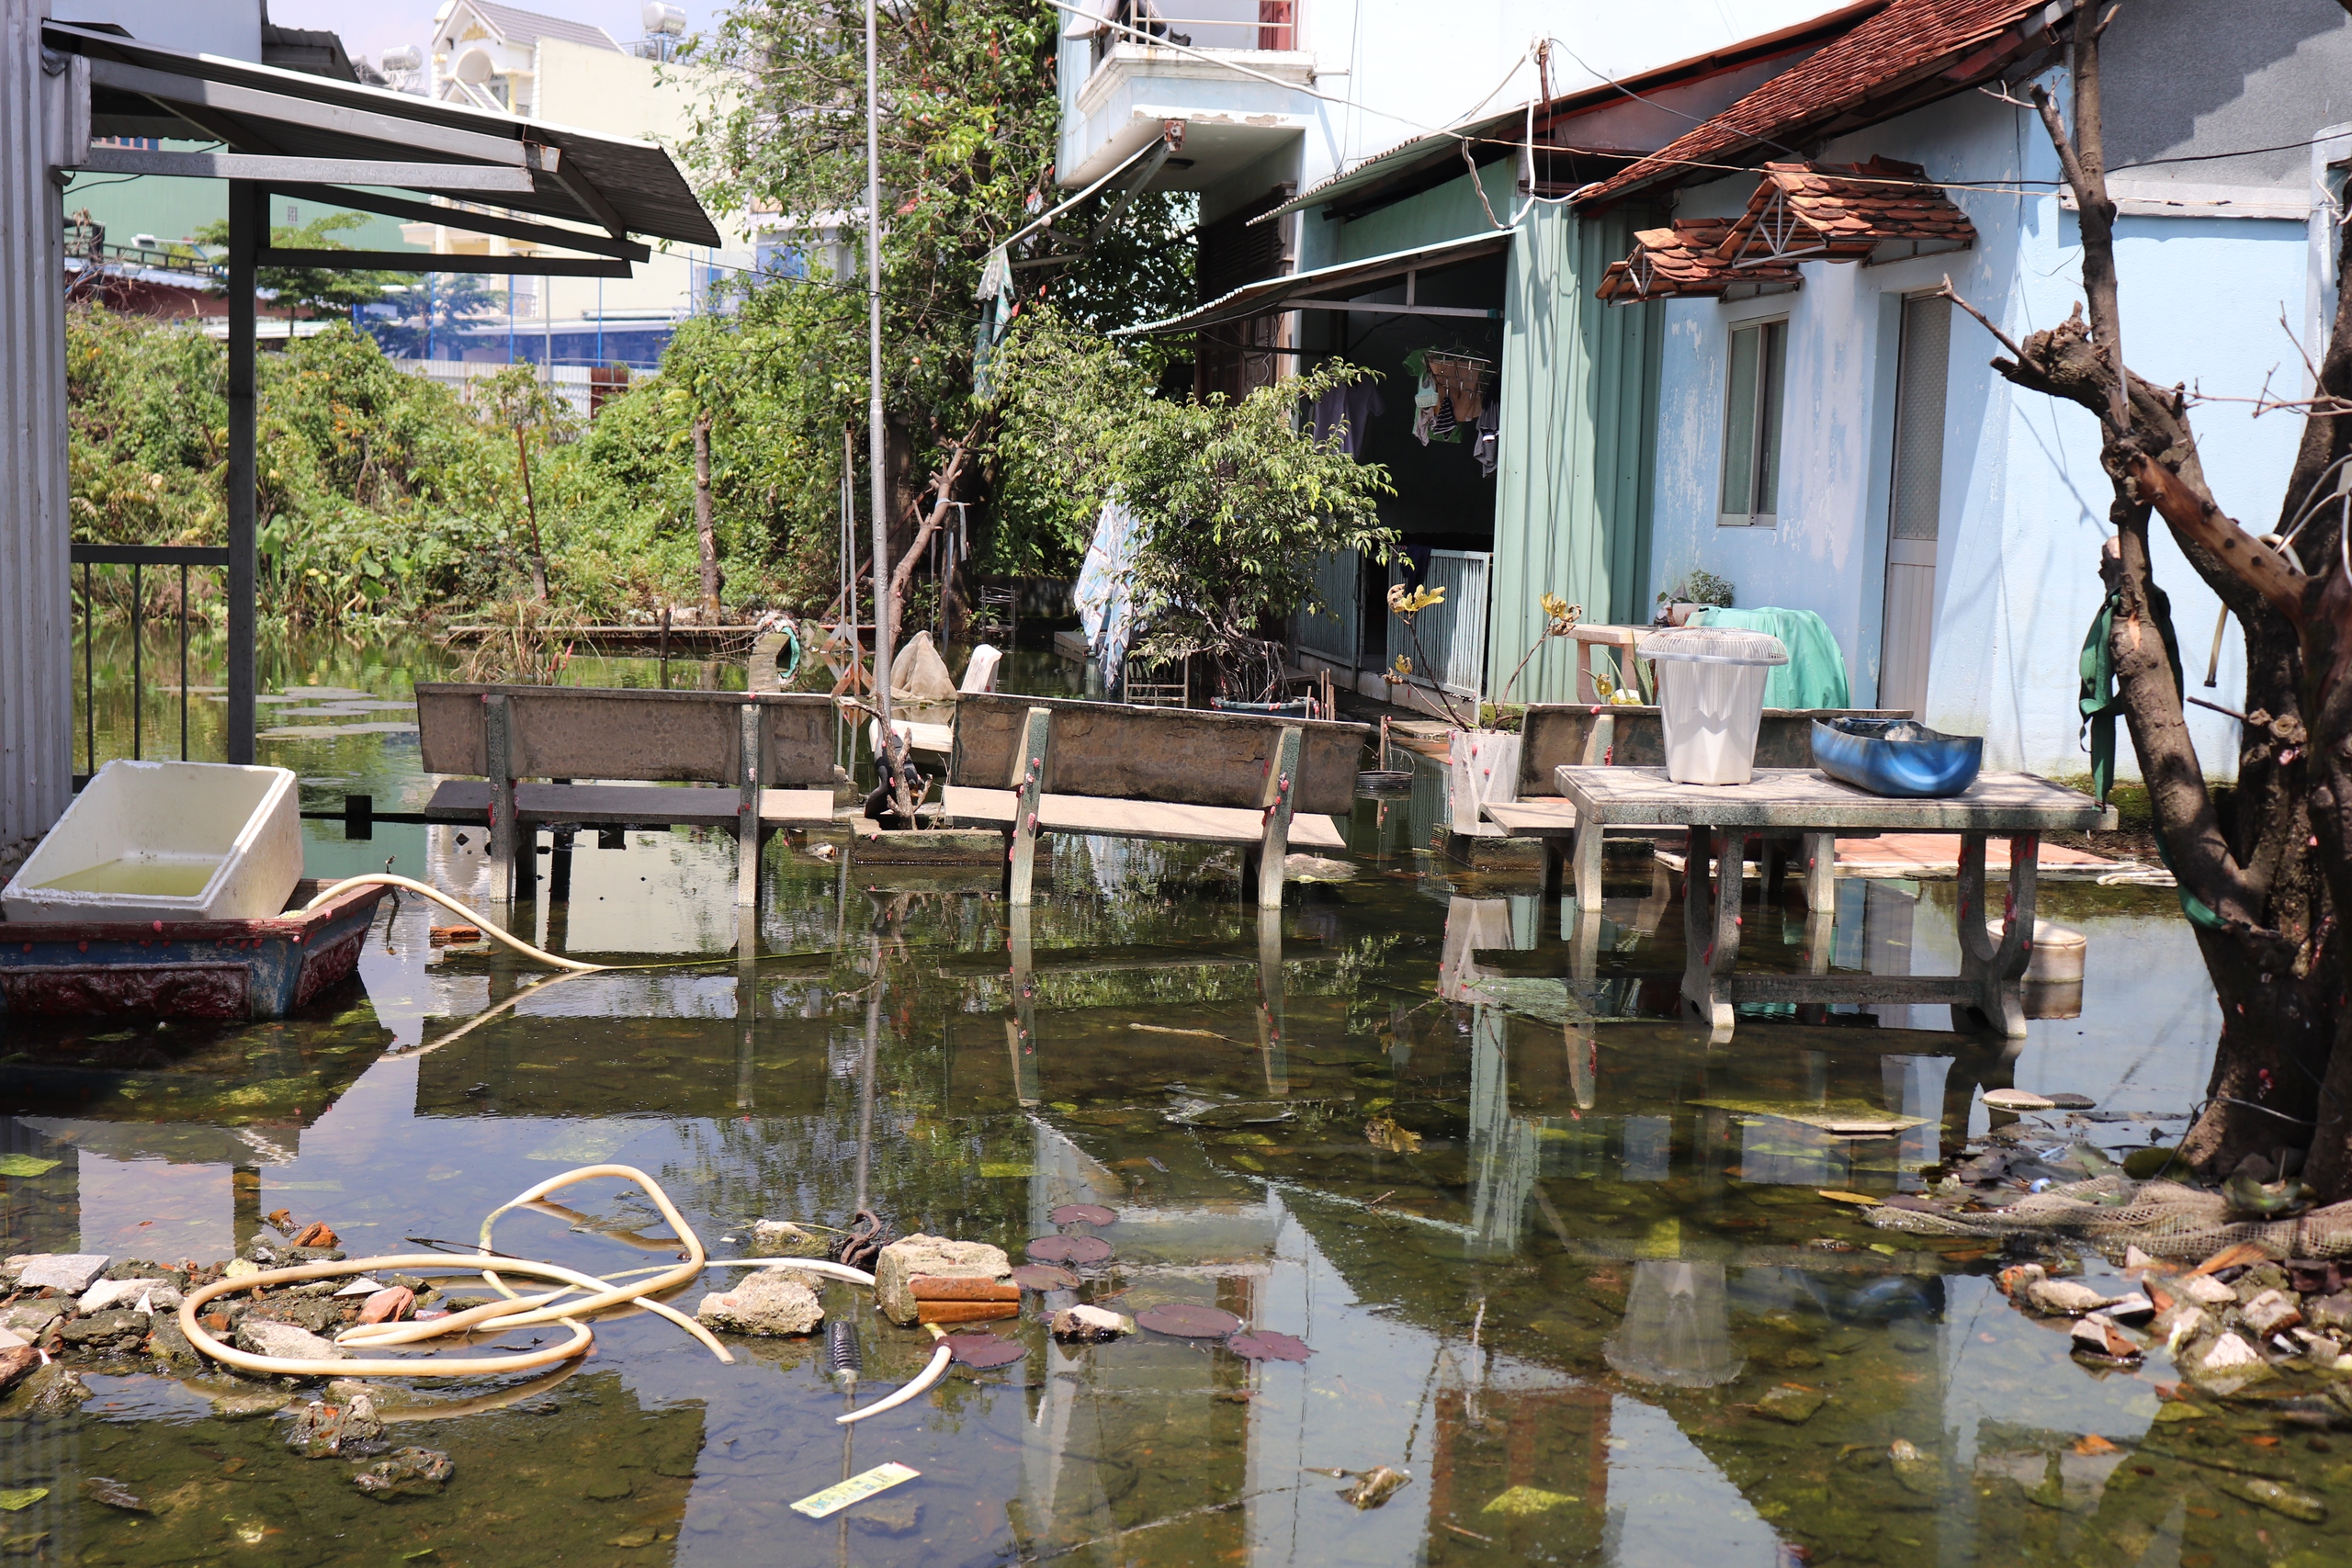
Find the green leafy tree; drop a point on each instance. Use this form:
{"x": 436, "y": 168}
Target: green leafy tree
{"x": 1236, "y": 500}
{"x": 968, "y": 125}
{"x": 313, "y": 290}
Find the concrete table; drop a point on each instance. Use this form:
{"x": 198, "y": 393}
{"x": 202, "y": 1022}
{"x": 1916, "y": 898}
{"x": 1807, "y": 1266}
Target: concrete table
{"x": 1721, "y": 817}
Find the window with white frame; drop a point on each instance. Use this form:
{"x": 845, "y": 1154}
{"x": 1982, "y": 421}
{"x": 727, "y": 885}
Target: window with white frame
{"x": 1752, "y": 416}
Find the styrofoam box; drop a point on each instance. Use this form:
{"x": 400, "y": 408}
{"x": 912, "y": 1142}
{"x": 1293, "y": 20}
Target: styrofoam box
{"x": 166, "y": 842}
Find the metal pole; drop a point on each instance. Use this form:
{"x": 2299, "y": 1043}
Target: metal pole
{"x": 183, "y": 661}
{"x": 882, "y": 626}
{"x": 90, "y": 672}
{"x": 138, "y": 670}
{"x": 244, "y": 199}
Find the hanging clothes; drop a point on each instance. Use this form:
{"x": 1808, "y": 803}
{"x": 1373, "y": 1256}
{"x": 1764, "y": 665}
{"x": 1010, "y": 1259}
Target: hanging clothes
{"x": 1347, "y": 413}
{"x": 1488, "y": 447}
{"x": 1424, "y": 409}
{"x": 1446, "y": 427}
{"x": 1461, "y": 382}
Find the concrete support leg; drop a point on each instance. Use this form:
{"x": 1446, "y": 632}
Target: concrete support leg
{"x": 1028, "y": 787}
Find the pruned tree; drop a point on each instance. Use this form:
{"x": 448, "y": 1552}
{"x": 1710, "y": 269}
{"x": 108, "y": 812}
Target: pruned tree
{"x": 2265, "y": 873}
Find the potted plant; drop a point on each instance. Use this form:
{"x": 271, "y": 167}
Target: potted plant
{"x": 1482, "y": 762}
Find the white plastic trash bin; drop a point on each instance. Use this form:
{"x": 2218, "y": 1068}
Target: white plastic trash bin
{"x": 166, "y": 842}
{"x": 1710, "y": 699}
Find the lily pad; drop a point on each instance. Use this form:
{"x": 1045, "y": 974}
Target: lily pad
{"x": 1187, "y": 1322}
{"x": 982, "y": 1351}
{"x": 25, "y": 1165}
{"x": 1265, "y": 1345}
{"x": 1043, "y": 1277}
{"x": 1083, "y": 1214}
{"x": 1862, "y": 1199}
{"x": 22, "y": 1497}
{"x": 1077, "y": 1250}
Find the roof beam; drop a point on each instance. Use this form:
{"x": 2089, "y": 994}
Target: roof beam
{"x": 460, "y": 218}
{"x": 430, "y": 261}
{"x": 241, "y": 167}
{"x": 177, "y": 90}
{"x": 1484, "y": 315}
{"x": 567, "y": 174}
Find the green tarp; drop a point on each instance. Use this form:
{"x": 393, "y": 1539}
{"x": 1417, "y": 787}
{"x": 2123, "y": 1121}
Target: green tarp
{"x": 1815, "y": 676}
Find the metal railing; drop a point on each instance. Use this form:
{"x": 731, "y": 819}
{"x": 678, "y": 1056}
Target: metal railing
{"x": 1210, "y": 24}
{"x": 1453, "y": 635}
{"x": 1337, "y": 583}
{"x": 138, "y": 558}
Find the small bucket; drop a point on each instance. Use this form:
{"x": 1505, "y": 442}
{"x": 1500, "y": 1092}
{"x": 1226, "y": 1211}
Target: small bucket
{"x": 1710, "y": 699}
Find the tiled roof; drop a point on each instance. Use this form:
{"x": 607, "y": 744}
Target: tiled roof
{"x": 1680, "y": 263}
{"x": 1882, "y": 210}
{"x": 517, "y": 26}
{"x": 1910, "y": 53}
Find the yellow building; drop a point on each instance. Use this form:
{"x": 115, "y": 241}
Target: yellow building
{"x": 510, "y": 60}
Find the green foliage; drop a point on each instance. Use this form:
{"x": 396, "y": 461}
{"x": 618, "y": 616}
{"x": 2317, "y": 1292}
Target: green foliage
{"x": 314, "y": 291}
{"x": 968, "y": 130}
{"x": 1236, "y": 501}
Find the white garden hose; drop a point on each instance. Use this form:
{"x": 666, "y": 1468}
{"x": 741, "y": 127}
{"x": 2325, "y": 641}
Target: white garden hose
{"x": 924, "y": 1380}
{"x": 386, "y": 879}
{"x": 579, "y": 1296}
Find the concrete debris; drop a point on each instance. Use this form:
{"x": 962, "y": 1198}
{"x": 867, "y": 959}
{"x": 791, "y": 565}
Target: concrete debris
{"x": 1091, "y": 1324}
{"x": 284, "y": 1341}
{"x": 768, "y": 1300}
{"x": 70, "y": 1272}
{"x": 911, "y": 1257}
{"x": 405, "y": 1472}
{"x": 140, "y": 1295}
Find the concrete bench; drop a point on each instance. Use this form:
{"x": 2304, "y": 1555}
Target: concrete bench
{"x": 1557, "y": 735}
{"x": 773, "y": 752}
{"x": 1030, "y": 765}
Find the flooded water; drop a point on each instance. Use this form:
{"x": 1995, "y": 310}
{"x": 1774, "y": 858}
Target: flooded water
{"x": 1551, "y": 1255}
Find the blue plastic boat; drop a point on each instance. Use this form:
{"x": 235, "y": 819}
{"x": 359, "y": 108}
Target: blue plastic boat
{"x": 1896, "y": 755}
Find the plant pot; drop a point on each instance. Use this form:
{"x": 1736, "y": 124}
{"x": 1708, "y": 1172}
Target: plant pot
{"x": 1482, "y": 765}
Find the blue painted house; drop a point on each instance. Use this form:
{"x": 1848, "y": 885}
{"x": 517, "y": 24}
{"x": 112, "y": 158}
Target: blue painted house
{"x": 1829, "y": 434}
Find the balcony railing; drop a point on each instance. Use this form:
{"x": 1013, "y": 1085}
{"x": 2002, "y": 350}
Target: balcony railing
{"x": 1206, "y": 24}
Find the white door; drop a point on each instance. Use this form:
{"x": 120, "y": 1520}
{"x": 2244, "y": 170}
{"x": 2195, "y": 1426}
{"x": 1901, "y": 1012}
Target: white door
{"x": 1907, "y": 639}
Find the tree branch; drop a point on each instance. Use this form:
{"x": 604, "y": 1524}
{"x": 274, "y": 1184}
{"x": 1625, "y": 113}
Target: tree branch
{"x": 2195, "y": 517}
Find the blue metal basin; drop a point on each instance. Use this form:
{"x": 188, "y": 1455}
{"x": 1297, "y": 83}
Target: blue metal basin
{"x": 1896, "y": 755}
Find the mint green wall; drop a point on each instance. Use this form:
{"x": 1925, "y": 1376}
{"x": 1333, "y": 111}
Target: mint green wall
{"x": 174, "y": 209}
{"x": 1449, "y": 212}
{"x": 1580, "y": 426}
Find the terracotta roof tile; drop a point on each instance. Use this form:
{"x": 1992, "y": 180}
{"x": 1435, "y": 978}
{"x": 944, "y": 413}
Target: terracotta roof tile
{"x": 1680, "y": 263}
{"x": 1942, "y": 45}
{"x": 1879, "y": 210}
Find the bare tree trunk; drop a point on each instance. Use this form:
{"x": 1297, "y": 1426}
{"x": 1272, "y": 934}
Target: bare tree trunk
{"x": 531, "y": 510}
{"x": 944, "y": 487}
{"x": 704, "y": 530}
{"x": 2262, "y": 880}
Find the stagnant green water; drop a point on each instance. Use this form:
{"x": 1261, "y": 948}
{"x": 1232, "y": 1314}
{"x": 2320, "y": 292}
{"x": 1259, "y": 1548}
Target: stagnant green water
{"x": 1533, "y": 1263}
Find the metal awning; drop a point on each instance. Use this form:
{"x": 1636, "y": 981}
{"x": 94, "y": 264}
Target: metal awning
{"x": 286, "y": 130}
{"x": 1326, "y": 289}
{"x": 279, "y": 124}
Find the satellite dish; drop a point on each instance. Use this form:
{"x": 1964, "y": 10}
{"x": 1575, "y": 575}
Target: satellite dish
{"x": 473, "y": 67}
{"x": 662, "y": 20}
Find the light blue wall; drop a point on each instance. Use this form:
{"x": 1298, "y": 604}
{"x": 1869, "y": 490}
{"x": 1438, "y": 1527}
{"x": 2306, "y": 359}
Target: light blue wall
{"x": 2024, "y": 501}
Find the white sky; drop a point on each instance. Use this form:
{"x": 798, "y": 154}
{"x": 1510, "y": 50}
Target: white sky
{"x": 370, "y": 26}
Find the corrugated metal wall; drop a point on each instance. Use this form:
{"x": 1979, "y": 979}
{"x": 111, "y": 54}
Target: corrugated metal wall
{"x": 36, "y": 603}
{"x": 1580, "y": 442}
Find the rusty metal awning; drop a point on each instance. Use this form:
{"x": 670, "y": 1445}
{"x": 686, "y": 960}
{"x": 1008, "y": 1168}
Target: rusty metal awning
{"x": 279, "y": 126}
{"x": 1678, "y": 263}
{"x": 1326, "y": 289}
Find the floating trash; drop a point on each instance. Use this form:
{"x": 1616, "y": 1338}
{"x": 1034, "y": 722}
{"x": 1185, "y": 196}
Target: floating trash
{"x": 1187, "y": 1322}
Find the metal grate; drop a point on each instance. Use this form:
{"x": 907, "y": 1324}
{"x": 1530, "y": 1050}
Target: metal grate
{"x": 1453, "y": 653}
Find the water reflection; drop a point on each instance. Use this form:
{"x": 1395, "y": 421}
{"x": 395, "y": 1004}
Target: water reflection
{"x": 1550, "y": 1251}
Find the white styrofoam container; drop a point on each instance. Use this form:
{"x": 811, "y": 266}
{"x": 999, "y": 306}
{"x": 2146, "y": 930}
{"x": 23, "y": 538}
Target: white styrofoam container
{"x": 1711, "y": 700}
{"x": 232, "y": 835}
{"x": 1482, "y": 768}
